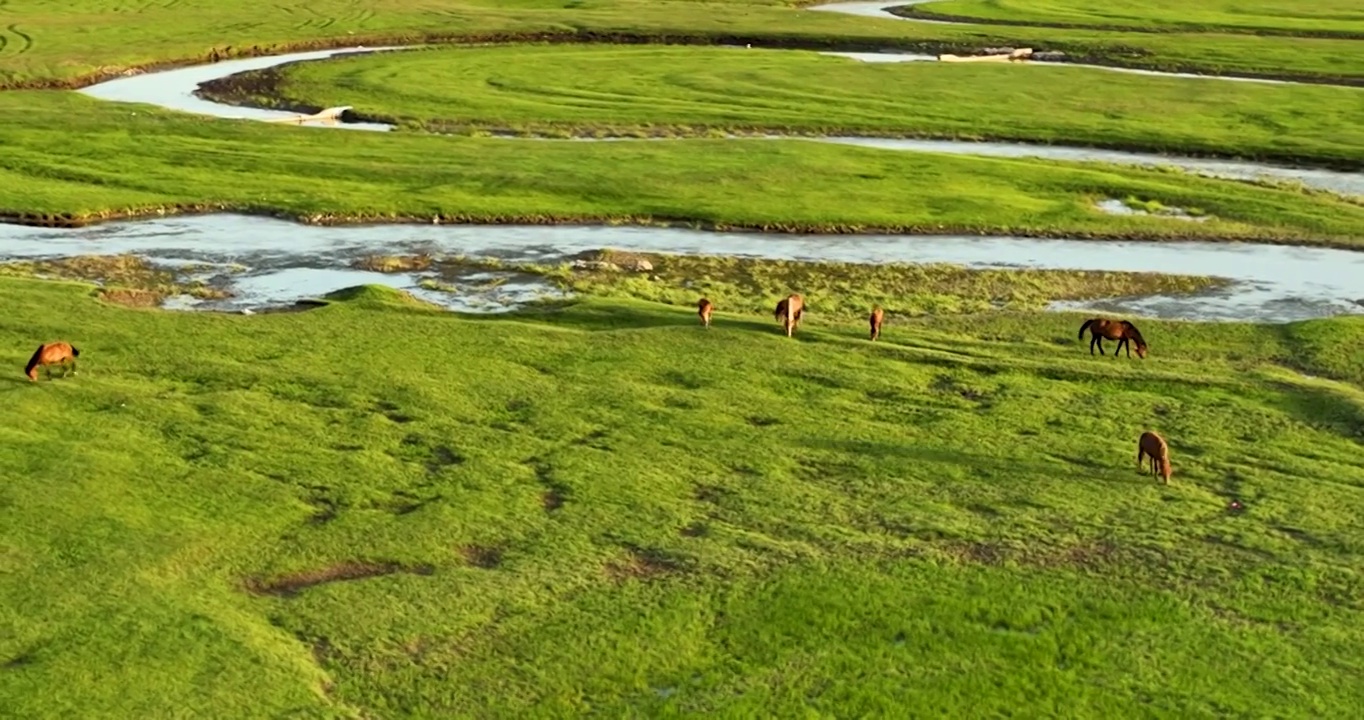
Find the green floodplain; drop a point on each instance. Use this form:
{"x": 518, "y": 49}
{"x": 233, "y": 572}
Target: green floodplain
{"x": 377, "y": 508}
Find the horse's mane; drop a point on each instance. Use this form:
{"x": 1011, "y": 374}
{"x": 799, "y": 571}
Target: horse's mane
{"x": 33, "y": 361}
{"x": 1135, "y": 332}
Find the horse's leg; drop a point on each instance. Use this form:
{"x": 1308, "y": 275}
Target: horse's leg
{"x": 1099, "y": 339}
{"x": 1127, "y": 342}
{"x": 1092, "y": 339}
{"x": 1118, "y": 348}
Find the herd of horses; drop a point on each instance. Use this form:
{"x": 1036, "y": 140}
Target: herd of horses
{"x": 790, "y": 309}
{"x": 788, "y": 312}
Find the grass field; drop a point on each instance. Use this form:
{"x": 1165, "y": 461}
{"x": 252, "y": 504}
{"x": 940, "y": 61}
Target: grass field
{"x": 51, "y": 42}
{"x": 688, "y": 90}
{"x": 87, "y": 159}
{"x": 377, "y": 510}
{"x": 1289, "y": 17}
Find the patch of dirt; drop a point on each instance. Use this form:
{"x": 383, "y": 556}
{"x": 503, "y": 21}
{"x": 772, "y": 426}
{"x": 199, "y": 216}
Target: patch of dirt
{"x": 481, "y": 556}
{"x": 696, "y": 529}
{"x": 130, "y": 297}
{"x": 643, "y": 564}
{"x": 292, "y": 585}
{"x": 762, "y": 421}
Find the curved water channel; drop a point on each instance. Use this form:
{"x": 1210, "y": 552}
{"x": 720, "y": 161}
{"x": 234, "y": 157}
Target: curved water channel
{"x": 272, "y": 262}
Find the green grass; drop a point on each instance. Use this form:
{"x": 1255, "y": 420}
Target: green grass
{"x": 88, "y": 159}
{"x": 688, "y": 90}
{"x": 50, "y": 41}
{"x": 1344, "y": 17}
{"x": 606, "y": 509}
{"x": 846, "y": 290}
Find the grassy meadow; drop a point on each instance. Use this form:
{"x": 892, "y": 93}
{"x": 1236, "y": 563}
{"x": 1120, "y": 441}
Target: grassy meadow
{"x": 375, "y": 509}
{"x": 379, "y": 509}
{"x": 76, "y": 158}
{"x": 689, "y": 90}
{"x": 1284, "y": 17}
{"x": 50, "y": 42}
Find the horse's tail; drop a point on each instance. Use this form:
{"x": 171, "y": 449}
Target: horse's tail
{"x": 33, "y": 361}
{"x": 1083, "y": 328}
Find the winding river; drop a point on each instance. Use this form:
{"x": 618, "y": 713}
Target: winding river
{"x": 270, "y": 262}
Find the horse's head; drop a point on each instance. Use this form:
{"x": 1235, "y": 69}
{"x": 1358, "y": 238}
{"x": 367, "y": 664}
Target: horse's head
{"x": 1141, "y": 349}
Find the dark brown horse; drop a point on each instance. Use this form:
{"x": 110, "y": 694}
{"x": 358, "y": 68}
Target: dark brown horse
{"x": 1153, "y": 445}
{"x": 877, "y": 317}
{"x": 789, "y": 312}
{"x": 1121, "y": 330}
{"x": 704, "y": 309}
{"x": 49, "y": 354}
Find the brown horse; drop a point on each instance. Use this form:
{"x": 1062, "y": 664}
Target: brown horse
{"x": 1153, "y": 445}
{"x": 789, "y": 312}
{"x": 1121, "y": 330}
{"x": 703, "y": 309}
{"x": 877, "y": 317}
{"x": 49, "y": 354}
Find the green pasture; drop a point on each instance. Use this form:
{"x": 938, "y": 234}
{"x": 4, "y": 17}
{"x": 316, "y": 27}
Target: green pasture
{"x": 376, "y": 509}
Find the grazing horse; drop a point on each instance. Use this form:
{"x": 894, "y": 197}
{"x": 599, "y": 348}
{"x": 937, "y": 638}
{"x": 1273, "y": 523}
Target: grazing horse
{"x": 1153, "y": 445}
{"x": 789, "y": 312}
{"x": 48, "y": 354}
{"x": 877, "y": 317}
{"x": 1121, "y": 330}
{"x": 703, "y": 309}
